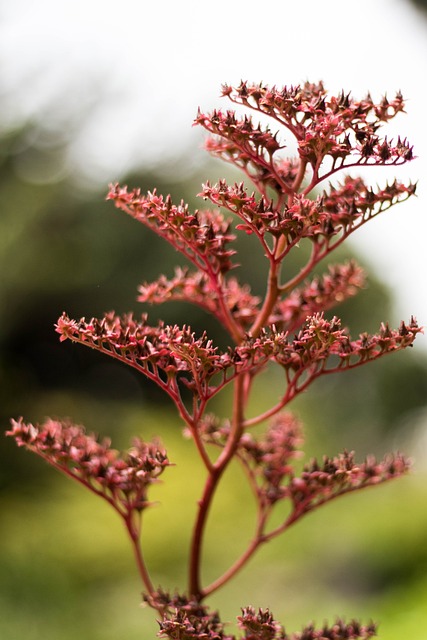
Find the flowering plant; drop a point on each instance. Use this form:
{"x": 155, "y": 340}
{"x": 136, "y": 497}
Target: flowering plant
{"x": 286, "y": 327}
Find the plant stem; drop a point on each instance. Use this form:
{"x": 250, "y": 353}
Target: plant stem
{"x": 211, "y": 484}
{"x": 134, "y": 533}
{"x": 196, "y": 545}
{"x": 269, "y": 302}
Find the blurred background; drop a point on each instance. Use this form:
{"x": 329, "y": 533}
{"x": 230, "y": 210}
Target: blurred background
{"x": 93, "y": 92}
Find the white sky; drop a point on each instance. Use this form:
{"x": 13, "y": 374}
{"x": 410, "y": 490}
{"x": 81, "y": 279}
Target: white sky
{"x": 151, "y": 64}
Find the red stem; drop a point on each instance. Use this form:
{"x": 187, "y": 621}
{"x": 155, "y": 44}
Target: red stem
{"x": 134, "y": 534}
{"x": 133, "y": 528}
{"x": 269, "y": 301}
{"x": 315, "y": 257}
{"x": 211, "y": 484}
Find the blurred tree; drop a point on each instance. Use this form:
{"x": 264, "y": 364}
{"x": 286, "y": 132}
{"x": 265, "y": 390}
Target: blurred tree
{"x": 420, "y": 4}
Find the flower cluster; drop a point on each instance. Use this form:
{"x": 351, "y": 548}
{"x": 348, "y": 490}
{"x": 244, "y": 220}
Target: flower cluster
{"x": 318, "y": 295}
{"x": 165, "y": 354}
{"x": 188, "y": 623}
{"x": 188, "y": 620}
{"x": 201, "y": 236}
{"x": 268, "y": 461}
{"x": 301, "y": 218}
{"x": 323, "y": 346}
{"x": 340, "y": 630}
{"x": 122, "y": 480}
{"x": 338, "y": 212}
{"x": 333, "y": 477}
{"x": 352, "y": 202}
{"x": 168, "y": 355}
{"x": 339, "y": 127}
{"x": 197, "y": 287}
{"x": 261, "y": 625}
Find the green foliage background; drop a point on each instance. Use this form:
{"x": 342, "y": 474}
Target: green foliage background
{"x": 66, "y": 568}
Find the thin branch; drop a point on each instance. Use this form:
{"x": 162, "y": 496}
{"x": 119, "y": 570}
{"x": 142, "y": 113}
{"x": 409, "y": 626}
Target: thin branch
{"x": 315, "y": 257}
{"x": 134, "y": 531}
{"x": 316, "y": 179}
{"x": 258, "y": 539}
{"x": 269, "y": 300}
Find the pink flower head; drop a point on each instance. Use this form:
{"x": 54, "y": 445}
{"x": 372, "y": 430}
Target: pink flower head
{"x": 122, "y": 479}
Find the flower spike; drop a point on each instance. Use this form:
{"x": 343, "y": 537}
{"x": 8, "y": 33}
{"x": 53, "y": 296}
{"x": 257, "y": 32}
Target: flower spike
{"x": 289, "y": 205}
